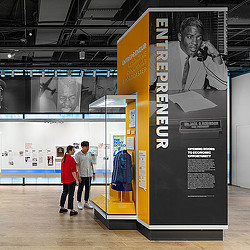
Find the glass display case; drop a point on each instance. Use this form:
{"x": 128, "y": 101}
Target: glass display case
{"x": 119, "y": 156}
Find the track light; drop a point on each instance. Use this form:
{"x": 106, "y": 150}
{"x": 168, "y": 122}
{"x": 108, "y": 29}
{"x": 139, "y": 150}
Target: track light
{"x": 82, "y": 55}
{"x": 11, "y": 55}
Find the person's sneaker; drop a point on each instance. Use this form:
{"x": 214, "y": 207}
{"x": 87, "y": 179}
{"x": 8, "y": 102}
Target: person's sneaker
{"x": 63, "y": 210}
{"x": 79, "y": 205}
{"x": 74, "y": 212}
{"x": 87, "y": 205}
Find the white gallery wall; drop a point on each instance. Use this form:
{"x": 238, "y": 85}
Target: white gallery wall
{"x": 41, "y": 139}
{"x": 240, "y": 126}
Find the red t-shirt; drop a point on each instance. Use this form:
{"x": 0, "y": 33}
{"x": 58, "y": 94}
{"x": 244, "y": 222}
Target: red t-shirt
{"x": 67, "y": 168}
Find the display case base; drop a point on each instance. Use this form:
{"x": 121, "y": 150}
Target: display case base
{"x": 117, "y": 224}
{"x": 113, "y": 205}
{"x": 128, "y": 224}
{"x": 180, "y": 234}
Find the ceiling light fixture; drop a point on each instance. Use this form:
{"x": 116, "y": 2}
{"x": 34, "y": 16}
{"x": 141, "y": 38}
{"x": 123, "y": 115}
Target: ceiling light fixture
{"x": 23, "y": 40}
{"x": 82, "y": 55}
{"x": 82, "y": 39}
{"x": 11, "y": 55}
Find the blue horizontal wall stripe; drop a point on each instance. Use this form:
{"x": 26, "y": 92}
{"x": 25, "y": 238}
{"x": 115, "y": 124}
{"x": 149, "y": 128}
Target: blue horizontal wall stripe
{"x": 43, "y": 171}
{"x": 102, "y": 171}
{"x": 31, "y": 171}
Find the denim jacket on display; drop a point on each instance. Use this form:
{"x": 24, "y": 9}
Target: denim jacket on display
{"x": 122, "y": 172}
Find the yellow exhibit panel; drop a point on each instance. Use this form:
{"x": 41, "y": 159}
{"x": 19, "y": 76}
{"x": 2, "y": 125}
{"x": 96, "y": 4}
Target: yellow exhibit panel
{"x": 133, "y": 77}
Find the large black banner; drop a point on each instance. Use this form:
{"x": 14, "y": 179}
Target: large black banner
{"x": 14, "y": 95}
{"x": 188, "y": 124}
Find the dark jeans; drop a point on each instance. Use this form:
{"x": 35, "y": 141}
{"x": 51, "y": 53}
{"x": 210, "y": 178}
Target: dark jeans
{"x": 85, "y": 182}
{"x": 69, "y": 189}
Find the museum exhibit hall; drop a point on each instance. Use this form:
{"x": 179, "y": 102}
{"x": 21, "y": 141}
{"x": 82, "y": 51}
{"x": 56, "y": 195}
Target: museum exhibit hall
{"x": 124, "y": 124}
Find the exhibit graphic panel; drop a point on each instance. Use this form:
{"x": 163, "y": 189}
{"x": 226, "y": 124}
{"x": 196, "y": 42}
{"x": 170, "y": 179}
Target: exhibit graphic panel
{"x": 188, "y": 126}
{"x": 185, "y": 153}
{"x": 118, "y": 144}
{"x": 133, "y": 77}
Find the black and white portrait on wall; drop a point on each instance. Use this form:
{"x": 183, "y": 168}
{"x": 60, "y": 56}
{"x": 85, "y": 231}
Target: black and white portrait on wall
{"x": 69, "y": 94}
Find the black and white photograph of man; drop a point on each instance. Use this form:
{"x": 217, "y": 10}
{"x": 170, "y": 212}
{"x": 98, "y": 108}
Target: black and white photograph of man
{"x": 60, "y": 94}
{"x": 69, "y": 94}
{"x": 194, "y": 63}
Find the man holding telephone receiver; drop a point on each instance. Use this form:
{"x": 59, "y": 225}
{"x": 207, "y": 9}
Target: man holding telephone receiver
{"x": 192, "y": 60}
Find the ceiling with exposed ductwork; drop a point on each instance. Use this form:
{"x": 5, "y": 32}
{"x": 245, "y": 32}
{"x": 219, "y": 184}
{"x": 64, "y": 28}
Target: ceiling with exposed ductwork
{"x": 51, "y": 33}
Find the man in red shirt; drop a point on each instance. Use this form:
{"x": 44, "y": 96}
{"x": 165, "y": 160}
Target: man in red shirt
{"x": 69, "y": 180}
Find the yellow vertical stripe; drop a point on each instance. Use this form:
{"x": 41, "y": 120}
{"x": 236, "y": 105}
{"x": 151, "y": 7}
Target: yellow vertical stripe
{"x": 133, "y": 77}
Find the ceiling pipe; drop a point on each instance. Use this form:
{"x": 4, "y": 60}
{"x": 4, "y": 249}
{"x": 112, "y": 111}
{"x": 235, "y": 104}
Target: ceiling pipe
{"x": 25, "y": 67}
{"x": 63, "y": 27}
{"x": 125, "y": 18}
{"x": 238, "y": 6}
{"x": 239, "y": 48}
{"x": 57, "y": 48}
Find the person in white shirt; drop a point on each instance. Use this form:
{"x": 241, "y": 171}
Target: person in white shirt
{"x": 85, "y": 170}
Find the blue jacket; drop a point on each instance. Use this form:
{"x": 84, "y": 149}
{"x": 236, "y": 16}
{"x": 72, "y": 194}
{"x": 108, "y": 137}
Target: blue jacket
{"x": 122, "y": 172}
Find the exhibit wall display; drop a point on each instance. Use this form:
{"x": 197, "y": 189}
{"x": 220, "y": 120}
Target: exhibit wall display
{"x": 53, "y": 94}
{"x": 23, "y": 148}
{"x": 173, "y": 60}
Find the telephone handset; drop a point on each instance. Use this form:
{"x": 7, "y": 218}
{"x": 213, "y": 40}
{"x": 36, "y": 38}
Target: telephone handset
{"x": 202, "y": 54}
